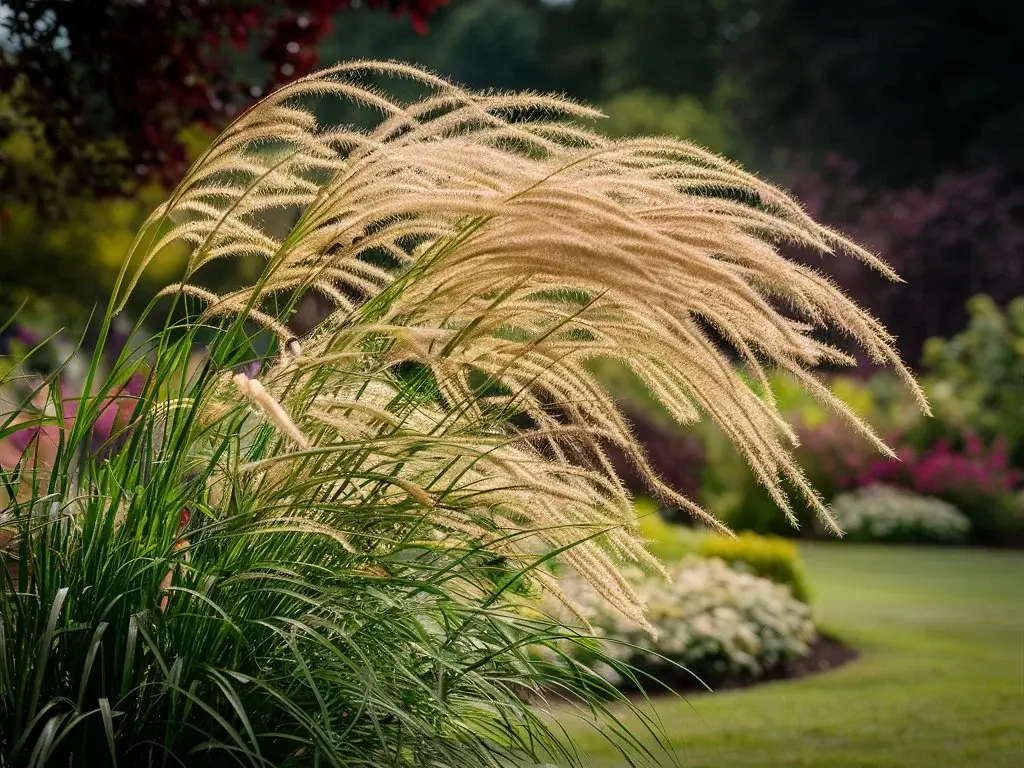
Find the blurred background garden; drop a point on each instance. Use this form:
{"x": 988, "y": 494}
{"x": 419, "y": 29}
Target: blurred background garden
{"x": 897, "y": 123}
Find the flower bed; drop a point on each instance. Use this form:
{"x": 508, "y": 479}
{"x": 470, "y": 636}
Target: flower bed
{"x": 724, "y": 626}
{"x": 882, "y": 513}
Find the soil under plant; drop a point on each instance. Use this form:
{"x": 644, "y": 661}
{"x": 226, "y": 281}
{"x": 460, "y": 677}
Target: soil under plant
{"x": 827, "y": 653}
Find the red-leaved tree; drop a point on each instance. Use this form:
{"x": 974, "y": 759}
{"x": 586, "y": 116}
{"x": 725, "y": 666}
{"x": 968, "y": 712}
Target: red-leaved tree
{"x": 959, "y": 236}
{"x": 139, "y": 71}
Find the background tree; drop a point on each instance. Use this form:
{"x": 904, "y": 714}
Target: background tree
{"x": 671, "y": 47}
{"x": 493, "y": 44}
{"x": 114, "y": 84}
{"x": 103, "y": 103}
{"x": 896, "y": 121}
{"x": 906, "y": 90}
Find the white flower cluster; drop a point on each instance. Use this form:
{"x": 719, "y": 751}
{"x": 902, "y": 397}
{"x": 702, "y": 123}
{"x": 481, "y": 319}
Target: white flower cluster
{"x": 884, "y": 513}
{"x": 715, "y": 621}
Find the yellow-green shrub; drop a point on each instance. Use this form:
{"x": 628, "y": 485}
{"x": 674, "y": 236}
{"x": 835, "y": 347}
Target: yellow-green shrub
{"x": 767, "y": 556}
{"x": 668, "y": 541}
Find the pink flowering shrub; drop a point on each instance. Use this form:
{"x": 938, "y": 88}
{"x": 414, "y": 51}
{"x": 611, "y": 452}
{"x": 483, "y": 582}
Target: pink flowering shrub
{"x": 976, "y": 478}
{"x": 34, "y": 446}
{"x": 832, "y": 455}
{"x": 35, "y": 415}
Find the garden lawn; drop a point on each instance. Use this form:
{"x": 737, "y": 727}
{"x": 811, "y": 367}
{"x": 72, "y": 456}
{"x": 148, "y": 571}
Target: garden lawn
{"x": 939, "y": 683}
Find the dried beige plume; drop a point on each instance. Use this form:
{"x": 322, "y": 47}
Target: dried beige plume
{"x": 496, "y": 243}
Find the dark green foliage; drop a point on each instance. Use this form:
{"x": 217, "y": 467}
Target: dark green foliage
{"x": 491, "y": 44}
{"x": 904, "y": 89}
{"x": 671, "y": 47}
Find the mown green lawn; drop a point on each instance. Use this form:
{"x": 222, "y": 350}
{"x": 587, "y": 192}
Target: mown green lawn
{"x": 939, "y": 683}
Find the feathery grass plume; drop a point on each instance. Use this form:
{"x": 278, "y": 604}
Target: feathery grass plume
{"x": 371, "y": 516}
{"x": 493, "y": 242}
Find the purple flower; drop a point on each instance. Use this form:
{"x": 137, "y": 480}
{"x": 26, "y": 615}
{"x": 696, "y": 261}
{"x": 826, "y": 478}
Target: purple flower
{"x": 19, "y": 333}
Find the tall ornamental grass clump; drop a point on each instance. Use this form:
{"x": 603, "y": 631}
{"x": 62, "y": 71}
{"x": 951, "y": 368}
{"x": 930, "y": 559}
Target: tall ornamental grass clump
{"x": 333, "y": 554}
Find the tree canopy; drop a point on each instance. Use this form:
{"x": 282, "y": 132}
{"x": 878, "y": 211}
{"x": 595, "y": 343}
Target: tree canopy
{"x": 113, "y": 84}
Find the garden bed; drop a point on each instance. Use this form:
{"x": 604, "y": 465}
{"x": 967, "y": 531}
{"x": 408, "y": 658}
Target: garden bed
{"x": 827, "y": 653}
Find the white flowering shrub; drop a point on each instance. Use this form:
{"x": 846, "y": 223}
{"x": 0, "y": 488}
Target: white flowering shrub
{"x": 884, "y": 513}
{"x": 717, "y": 622}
